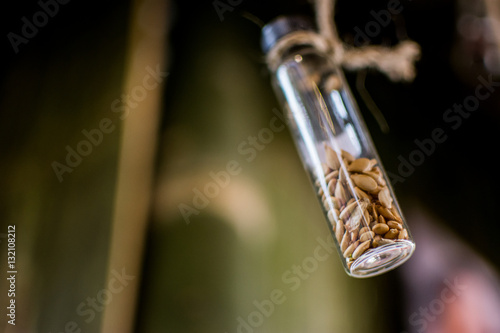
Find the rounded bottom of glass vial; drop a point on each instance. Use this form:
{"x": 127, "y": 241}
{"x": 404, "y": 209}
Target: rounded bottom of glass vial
{"x": 382, "y": 259}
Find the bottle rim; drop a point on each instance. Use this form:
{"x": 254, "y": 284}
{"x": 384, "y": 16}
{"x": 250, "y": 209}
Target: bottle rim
{"x": 281, "y": 26}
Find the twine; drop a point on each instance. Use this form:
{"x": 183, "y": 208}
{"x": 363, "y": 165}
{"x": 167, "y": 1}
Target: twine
{"x": 396, "y": 62}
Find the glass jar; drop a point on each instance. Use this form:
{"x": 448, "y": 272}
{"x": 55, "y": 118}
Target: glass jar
{"x": 337, "y": 151}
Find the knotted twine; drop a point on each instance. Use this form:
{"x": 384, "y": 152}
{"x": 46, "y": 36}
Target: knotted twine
{"x": 396, "y": 62}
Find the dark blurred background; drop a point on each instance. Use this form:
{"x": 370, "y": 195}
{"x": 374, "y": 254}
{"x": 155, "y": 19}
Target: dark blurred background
{"x": 119, "y": 209}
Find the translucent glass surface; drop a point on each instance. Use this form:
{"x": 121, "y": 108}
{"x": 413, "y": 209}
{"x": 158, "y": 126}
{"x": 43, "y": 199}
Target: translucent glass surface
{"x": 340, "y": 158}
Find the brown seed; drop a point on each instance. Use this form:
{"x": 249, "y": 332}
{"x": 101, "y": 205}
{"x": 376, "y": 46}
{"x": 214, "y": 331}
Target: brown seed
{"x": 366, "y": 217}
{"x": 350, "y": 249}
{"x": 374, "y": 212}
{"x": 356, "y": 216}
{"x": 391, "y": 234}
{"x": 354, "y": 235}
{"x": 320, "y": 192}
{"x": 394, "y": 212}
{"x": 331, "y": 175}
{"x": 345, "y": 155}
{"x": 376, "y": 239}
{"x": 385, "y": 197}
{"x": 354, "y": 221}
{"x": 326, "y": 168}
{"x": 333, "y": 216}
{"x": 359, "y": 165}
{"x": 383, "y": 241}
{"x": 340, "y": 193}
{"x": 339, "y": 232}
{"x": 363, "y": 230}
{"x": 331, "y": 186}
{"x": 330, "y": 203}
{"x": 380, "y": 228}
{"x": 342, "y": 176}
{"x": 377, "y": 177}
{"x": 364, "y": 182}
{"x": 345, "y": 242}
{"x": 332, "y": 159}
{"x": 361, "y": 249}
{"x": 377, "y": 171}
{"x": 403, "y": 234}
{"x": 361, "y": 194}
{"x": 376, "y": 191}
{"x": 381, "y": 219}
{"x": 394, "y": 225}
{"x": 346, "y": 162}
{"x": 386, "y": 213}
{"x": 366, "y": 236}
{"x": 346, "y": 212}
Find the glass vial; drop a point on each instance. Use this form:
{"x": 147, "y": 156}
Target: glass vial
{"x": 336, "y": 149}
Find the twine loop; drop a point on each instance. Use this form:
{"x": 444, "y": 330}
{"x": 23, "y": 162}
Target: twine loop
{"x": 397, "y": 62}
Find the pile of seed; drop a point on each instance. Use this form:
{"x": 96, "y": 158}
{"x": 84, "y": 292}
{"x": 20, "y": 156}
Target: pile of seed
{"x": 359, "y": 204}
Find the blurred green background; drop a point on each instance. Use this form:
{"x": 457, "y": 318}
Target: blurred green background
{"x": 208, "y": 275}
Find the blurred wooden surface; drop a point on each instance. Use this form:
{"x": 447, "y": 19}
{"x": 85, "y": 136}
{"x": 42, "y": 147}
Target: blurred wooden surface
{"x": 60, "y": 83}
{"x": 146, "y": 76}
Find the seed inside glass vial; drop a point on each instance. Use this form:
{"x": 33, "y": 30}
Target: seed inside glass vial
{"x": 359, "y": 205}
